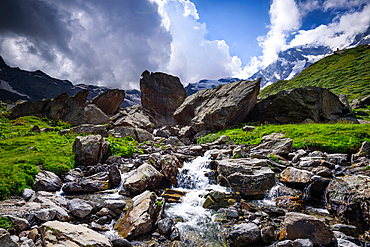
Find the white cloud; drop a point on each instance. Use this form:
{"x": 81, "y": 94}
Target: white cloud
{"x": 343, "y": 4}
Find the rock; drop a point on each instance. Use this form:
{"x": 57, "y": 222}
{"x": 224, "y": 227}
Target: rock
{"x": 143, "y": 178}
{"x": 299, "y": 225}
{"x": 295, "y": 176}
{"x": 121, "y": 242}
{"x": 90, "y": 129}
{"x": 134, "y": 116}
{"x": 298, "y": 104}
{"x": 345, "y": 243}
{"x": 89, "y": 114}
{"x": 47, "y": 181}
{"x": 79, "y": 207}
{"x": 114, "y": 204}
{"x": 18, "y": 223}
{"x": 137, "y": 134}
{"x": 276, "y": 143}
{"x": 174, "y": 141}
{"x": 46, "y": 214}
{"x": 248, "y": 128}
{"x": 175, "y": 233}
{"x": 244, "y": 234}
{"x": 322, "y": 171}
{"x": 97, "y": 227}
{"x": 363, "y": 152}
{"x": 186, "y": 132}
{"x": 250, "y": 177}
{"x": 57, "y": 233}
{"x": 217, "y": 108}
{"x": 295, "y": 204}
{"x": 346, "y": 229}
{"x": 344, "y": 100}
{"x": 318, "y": 186}
{"x": 27, "y": 194}
{"x": 35, "y": 129}
{"x": 140, "y": 219}
{"x": 302, "y": 243}
{"x": 170, "y": 167}
{"x": 238, "y": 152}
{"x": 161, "y": 94}
{"x": 356, "y": 103}
{"x": 201, "y": 134}
{"x": 114, "y": 175}
{"x": 172, "y": 195}
{"x": 348, "y": 198}
{"x": 162, "y": 133}
{"x": 109, "y": 101}
{"x": 164, "y": 226}
{"x": 143, "y": 135}
{"x": 90, "y": 150}
{"x": 34, "y": 234}
{"x": 221, "y": 140}
{"x": 72, "y": 175}
{"x": 6, "y": 240}
{"x": 268, "y": 234}
{"x": 231, "y": 213}
{"x": 96, "y": 182}
{"x": 285, "y": 243}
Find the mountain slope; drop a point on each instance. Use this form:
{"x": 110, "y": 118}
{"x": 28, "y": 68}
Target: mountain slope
{"x": 192, "y": 88}
{"x": 345, "y": 72}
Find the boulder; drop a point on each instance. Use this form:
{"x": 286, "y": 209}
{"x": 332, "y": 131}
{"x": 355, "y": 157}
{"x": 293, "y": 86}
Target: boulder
{"x": 90, "y": 129}
{"x": 140, "y": 219}
{"x": 46, "y": 214}
{"x": 143, "y": 135}
{"x": 79, "y": 207}
{"x": 244, "y": 234}
{"x": 47, "y": 181}
{"x": 170, "y": 167}
{"x": 140, "y": 135}
{"x": 174, "y": 141}
{"x": 250, "y": 177}
{"x": 90, "y": 150}
{"x": 344, "y": 100}
{"x": 55, "y": 233}
{"x": 27, "y": 194}
{"x": 276, "y": 143}
{"x": 114, "y": 204}
{"x": 6, "y": 240}
{"x": 361, "y": 103}
{"x": 93, "y": 183}
{"x": 109, "y": 101}
{"x": 298, "y": 104}
{"x": 143, "y": 178}
{"x": 134, "y": 116}
{"x": 348, "y": 198}
{"x": 295, "y": 176}
{"x": 18, "y": 223}
{"x": 298, "y": 226}
{"x": 114, "y": 175}
{"x": 72, "y": 175}
{"x": 161, "y": 94}
{"x": 90, "y": 114}
{"x": 164, "y": 226}
{"x": 217, "y": 108}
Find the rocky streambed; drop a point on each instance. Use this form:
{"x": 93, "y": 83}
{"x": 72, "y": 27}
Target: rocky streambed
{"x": 215, "y": 194}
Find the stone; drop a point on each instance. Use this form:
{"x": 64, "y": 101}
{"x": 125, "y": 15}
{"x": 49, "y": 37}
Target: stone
{"x": 348, "y": 198}
{"x": 89, "y": 114}
{"x": 186, "y": 132}
{"x": 175, "y": 233}
{"x": 97, "y": 227}
{"x": 322, "y": 171}
{"x": 250, "y": 177}
{"x": 18, "y": 223}
{"x": 174, "y": 141}
{"x": 172, "y": 195}
{"x": 239, "y": 152}
{"x": 356, "y": 103}
{"x": 248, "y": 128}
{"x": 93, "y": 183}
{"x": 164, "y": 226}
{"x": 90, "y": 150}
{"x": 161, "y": 94}
{"x": 299, "y": 225}
{"x": 344, "y": 100}
{"x": 121, "y": 242}
{"x": 114, "y": 204}
{"x": 90, "y": 129}
{"x": 268, "y": 234}
{"x": 71, "y": 235}
{"x": 244, "y": 234}
{"x": 345, "y": 243}
{"x": 143, "y": 135}
{"x": 302, "y": 243}
{"x": 364, "y": 150}
{"x": 298, "y": 104}
{"x": 295, "y": 204}
{"x": 114, "y": 175}
{"x": 295, "y": 176}
{"x": 276, "y": 143}
{"x": 217, "y": 108}
{"x": 27, "y": 194}
{"x": 79, "y": 207}
{"x": 47, "y": 181}
{"x": 109, "y": 101}
{"x": 123, "y": 131}
{"x": 285, "y": 243}
{"x": 33, "y": 234}
{"x": 35, "y": 129}
{"x": 143, "y": 178}
{"x": 134, "y": 116}
{"x": 72, "y": 175}
{"x": 28, "y": 243}
{"x": 221, "y": 140}
{"x": 6, "y": 240}
{"x": 346, "y": 229}
{"x": 170, "y": 167}
{"x": 140, "y": 219}
{"x": 46, "y": 214}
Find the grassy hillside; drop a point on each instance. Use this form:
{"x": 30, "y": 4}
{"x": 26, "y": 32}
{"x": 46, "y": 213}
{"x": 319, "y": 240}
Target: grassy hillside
{"x": 347, "y": 73}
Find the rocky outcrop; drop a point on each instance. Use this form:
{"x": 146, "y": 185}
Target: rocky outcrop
{"x": 47, "y": 181}
{"x": 143, "y": 178}
{"x": 348, "y": 198}
{"x": 217, "y": 108}
{"x": 109, "y": 101}
{"x": 250, "y": 177}
{"x": 161, "y": 94}
{"x": 141, "y": 218}
{"x": 90, "y": 114}
{"x": 55, "y": 233}
{"x": 90, "y": 150}
{"x": 298, "y": 104}
{"x": 135, "y": 116}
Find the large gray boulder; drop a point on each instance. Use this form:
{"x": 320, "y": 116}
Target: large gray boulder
{"x": 217, "y": 108}
{"x": 143, "y": 178}
{"x": 161, "y": 94}
{"x": 79, "y": 207}
{"x": 47, "y": 181}
{"x": 93, "y": 183}
{"x": 298, "y": 104}
{"x": 245, "y": 234}
{"x": 71, "y": 235}
{"x": 135, "y": 116}
{"x": 109, "y": 101}
{"x": 276, "y": 143}
{"x": 90, "y": 129}
{"x": 250, "y": 177}
{"x": 90, "y": 150}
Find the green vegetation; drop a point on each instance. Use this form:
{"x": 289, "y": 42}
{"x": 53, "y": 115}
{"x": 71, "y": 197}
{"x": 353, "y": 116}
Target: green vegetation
{"x": 339, "y": 137}
{"x": 124, "y": 147}
{"x": 347, "y": 73}
{"x": 6, "y": 223}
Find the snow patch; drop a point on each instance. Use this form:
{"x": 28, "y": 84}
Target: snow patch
{"x": 313, "y": 58}
{"x": 5, "y": 86}
{"x": 298, "y": 67}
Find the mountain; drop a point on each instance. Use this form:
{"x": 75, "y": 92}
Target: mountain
{"x": 16, "y": 84}
{"x": 192, "y": 88}
{"x": 344, "y": 72}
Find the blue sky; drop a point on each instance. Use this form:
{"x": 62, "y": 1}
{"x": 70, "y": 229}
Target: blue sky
{"x": 110, "y": 43}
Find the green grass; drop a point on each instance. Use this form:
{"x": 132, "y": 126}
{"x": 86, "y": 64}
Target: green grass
{"x": 6, "y": 223}
{"x": 124, "y": 147}
{"x": 332, "y": 138}
{"x": 347, "y": 74}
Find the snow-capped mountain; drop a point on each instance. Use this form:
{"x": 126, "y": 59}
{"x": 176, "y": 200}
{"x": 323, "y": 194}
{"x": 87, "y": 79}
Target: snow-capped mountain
{"x": 192, "y": 88}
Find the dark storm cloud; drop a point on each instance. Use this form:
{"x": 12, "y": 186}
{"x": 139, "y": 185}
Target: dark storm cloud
{"x": 95, "y": 42}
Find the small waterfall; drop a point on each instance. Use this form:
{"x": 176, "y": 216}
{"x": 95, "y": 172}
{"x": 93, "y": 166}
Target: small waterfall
{"x": 196, "y": 224}
{"x": 270, "y": 198}
{"x": 307, "y": 192}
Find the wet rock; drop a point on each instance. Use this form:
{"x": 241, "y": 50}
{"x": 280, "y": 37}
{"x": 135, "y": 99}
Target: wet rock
{"x": 144, "y": 177}
{"x": 276, "y": 143}
{"x": 93, "y": 183}
{"x": 90, "y": 150}
{"x": 231, "y": 213}
{"x": 28, "y": 243}
{"x": 302, "y": 243}
{"x": 268, "y": 234}
{"x": 318, "y": 186}
{"x": 244, "y": 234}
{"x": 345, "y": 243}
{"x": 285, "y": 243}
{"x": 299, "y": 225}
{"x": 164, "y": 226}
{"x": 250, "y": 177}
{"x": 114, "y": 204}
{"x": 121, "y": 242}
{"x": 214, "y": 109}
{"x": 175, "y": 233}
{"x": 47, "y": 181}
{"x": 114, "y": 175}
{"x": 69, "y": 234}
{"x": 294, "y": 175}
{"x": 170, "y": 167}
{"x": 140, "y": 219}
{"x": 172, "y": 195}
{"x": 109, "y": 101}
{"x": 295, "y": 204}
{"x": 27, "y": 194}
{"x": 6, "y": 240}
{"x": 97, "y": 227}
{"x": 348, "y": 198}
{"x": 79, "y": 207}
